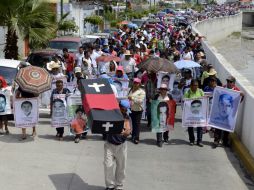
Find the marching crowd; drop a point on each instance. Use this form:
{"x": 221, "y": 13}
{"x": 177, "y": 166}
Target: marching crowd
{"x": 121, "y": 57}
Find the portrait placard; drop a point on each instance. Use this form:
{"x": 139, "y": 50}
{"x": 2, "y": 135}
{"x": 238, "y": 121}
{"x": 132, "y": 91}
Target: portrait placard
{"x": 195, "y": 112}
{"x": 122, "y": 87}
{"x": 59, "y": 113}
{"x": 165, "y": 78}
{"x": 163, "y": 115}
{"x": 5, "y": 102}
{"x": 225, "y": 105}
{"x": 26, "y": 112}
{"x": 76, "y": 115}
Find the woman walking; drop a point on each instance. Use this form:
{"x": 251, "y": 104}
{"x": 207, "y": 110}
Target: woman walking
{"x": 136, "y": 97}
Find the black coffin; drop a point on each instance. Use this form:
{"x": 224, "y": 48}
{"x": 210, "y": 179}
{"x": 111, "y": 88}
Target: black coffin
{"x": 105, "y": 121}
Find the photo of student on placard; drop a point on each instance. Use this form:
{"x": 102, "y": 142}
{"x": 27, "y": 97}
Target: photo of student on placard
{"x": 224, "y": 109}
{"x": 165, "y": 78}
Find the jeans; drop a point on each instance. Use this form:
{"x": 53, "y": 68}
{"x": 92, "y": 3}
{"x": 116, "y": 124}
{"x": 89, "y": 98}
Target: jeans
{"x": 136, "y": 119}
{"x": 70, "y": 76}
{"x": 199, "y": 134}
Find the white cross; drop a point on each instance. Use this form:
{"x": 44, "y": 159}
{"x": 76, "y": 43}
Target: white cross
{"x": 96, "y": 86}
{"x": 107, "y": 126}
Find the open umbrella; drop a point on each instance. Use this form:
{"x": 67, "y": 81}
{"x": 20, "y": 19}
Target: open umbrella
{"x": 156, "y": 64}
{"x": 125, "y": 22}
{"x": 107, "y": 58}
{"x": 34, "y": 79}
{"x": 186, "y": 64}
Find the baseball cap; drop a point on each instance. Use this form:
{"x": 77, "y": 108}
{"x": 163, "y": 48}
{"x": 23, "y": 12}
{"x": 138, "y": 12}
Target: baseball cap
{"x": 125, "y": 104}
{"x": 77, "y": 70}
{"x": 137, "y": 80}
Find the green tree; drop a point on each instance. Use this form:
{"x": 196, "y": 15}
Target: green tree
{"x": 32, "y": 20}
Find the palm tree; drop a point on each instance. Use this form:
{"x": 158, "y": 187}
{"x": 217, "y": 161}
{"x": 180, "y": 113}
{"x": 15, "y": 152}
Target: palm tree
{"x": 32, "y": 20}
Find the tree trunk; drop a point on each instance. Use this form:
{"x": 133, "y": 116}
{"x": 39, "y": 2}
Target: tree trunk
{"x": 11, "y": 47}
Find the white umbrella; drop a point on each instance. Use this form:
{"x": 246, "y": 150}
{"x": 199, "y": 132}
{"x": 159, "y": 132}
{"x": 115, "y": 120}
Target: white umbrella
{"x": 186, "y": 64}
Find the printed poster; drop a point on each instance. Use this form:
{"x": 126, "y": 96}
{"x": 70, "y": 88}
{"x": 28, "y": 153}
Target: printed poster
{"x": 165, "y": 78}
{"x": 163, "y": 115}
{"x": 59, "y": 112}
{"x": 26, "y": 112}
{"x": 76, "y": 115}
{"x": 225, "y": 105}
{"x": 5, "y": 102}
{"x": 122, "y": 86}
{"x": 195, "y": 112}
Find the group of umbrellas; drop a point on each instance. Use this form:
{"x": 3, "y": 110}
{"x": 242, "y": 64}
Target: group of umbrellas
{"x": 37, "y": 80}
{"x": 156, "y": 64}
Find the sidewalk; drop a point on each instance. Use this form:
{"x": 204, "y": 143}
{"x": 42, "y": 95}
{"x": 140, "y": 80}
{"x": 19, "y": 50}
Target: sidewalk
{"x": 47, "y": 164}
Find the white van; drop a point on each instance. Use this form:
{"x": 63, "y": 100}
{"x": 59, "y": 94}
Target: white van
{"x": 8, "y": 69}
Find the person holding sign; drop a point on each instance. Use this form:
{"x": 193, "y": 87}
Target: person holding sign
{"x": 58, "y": 105}
{"x": 115, "y": 150}
{"x": 78, "y": 124}
{"x": 3, "y": 103}
{"x": 163, "y": 112}
{"x": 225, "y": 106}
{"x": 194, "y": 92}
{"x": 26, "y": 107}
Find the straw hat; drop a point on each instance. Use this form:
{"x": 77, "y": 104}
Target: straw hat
{"x": 127, "y": 52}
{"x": 163, "y": 86}
{"x": 212, "y": 72}
{"x": 53, "y": 65}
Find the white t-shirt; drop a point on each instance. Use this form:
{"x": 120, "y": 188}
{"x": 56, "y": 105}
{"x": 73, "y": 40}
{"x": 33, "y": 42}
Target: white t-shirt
{"x": 79, "y": 58}
{"x": 128, "y": 65}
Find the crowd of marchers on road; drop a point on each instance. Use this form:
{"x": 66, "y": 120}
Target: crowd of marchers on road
{"x": 135, "y": 56}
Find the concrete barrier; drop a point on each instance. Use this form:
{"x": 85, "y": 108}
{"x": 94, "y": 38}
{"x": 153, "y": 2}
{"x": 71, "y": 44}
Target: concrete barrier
{"x": 219, "y": 28}
{"x": 215, "y": 30}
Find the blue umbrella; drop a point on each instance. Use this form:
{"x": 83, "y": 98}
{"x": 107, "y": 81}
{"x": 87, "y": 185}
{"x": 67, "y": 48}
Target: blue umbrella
{"x": 132, "y": 25}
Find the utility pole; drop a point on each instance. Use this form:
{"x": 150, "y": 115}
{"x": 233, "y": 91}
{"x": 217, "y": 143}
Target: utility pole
{"x": 61, "y": 8}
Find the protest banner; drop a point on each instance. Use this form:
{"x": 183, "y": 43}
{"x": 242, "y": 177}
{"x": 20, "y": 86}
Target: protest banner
{"x": 26, "y": 112}
{"x": 195, "y": 112}
{"x": 5, "y": 102}
{"x": 163, "y": 115}
{"x": 225, "y": 105}
{"x": 59, "y": 113}
{"x": 76, "y": 115}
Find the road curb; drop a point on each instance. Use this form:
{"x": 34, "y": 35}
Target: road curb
{"x": 243, "y": 153}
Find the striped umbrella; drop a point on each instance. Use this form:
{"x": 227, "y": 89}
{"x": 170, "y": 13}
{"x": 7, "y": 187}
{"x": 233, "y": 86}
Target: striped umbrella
{"x": 34, "y": 79}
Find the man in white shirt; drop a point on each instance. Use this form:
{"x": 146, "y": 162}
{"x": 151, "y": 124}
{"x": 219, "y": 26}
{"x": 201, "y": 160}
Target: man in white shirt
{"x": 128, "y": 63}
{"x": 79, "y": 56}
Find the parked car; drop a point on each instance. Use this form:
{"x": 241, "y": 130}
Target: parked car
{"x": 39, "y": 58}
{"x": 69, "y": 42}
{"x": 8, "y": 69}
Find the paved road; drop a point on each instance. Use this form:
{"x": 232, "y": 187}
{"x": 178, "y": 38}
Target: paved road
{"x": 47, "y": 164}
